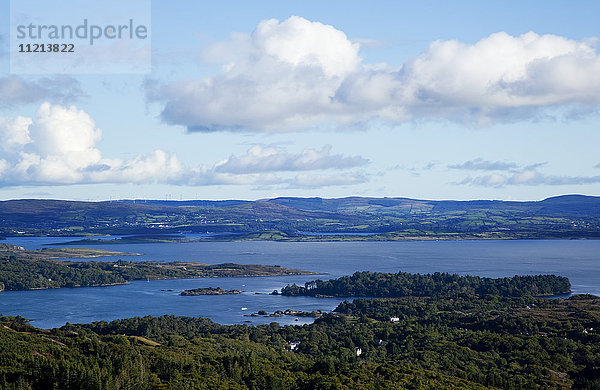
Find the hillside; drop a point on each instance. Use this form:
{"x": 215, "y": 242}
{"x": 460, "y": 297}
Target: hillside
{"x": 479, "y": 342}
{"x": 569, "y": 216}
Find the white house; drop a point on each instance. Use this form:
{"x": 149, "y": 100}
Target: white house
{"x": 292, "y": 345}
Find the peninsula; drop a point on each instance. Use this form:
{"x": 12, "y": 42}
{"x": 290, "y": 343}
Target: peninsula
{"x": 22, "y": 269}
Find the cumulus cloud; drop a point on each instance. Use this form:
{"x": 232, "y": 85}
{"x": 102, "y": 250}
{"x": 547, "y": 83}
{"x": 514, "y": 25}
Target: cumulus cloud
{"x": 60, "y": 89}
{"x": 268, "y": 159}
{"x": 14, "y": 133}
{"x": 281, "y": 77}
{"x": 59, "y": 146}
{"x": 484, "y": 165}
{"x": 298, "y": 74}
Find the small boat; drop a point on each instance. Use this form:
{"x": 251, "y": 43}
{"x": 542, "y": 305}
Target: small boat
{"x": 244, "y": 308}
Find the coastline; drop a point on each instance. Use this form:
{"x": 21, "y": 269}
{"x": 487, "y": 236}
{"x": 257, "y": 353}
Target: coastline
{"x": 317, "y": 238}
{"x": 126, "y": 272}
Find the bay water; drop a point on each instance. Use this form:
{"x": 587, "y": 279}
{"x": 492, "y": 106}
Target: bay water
{"x": 579, "y": 260}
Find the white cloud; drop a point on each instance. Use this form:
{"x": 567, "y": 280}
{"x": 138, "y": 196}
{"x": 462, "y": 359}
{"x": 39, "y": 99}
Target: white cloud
{"x": 268, "y": 159}
{"x": 157, "y": 166}
{"x": 298, "y": 74}
{"x": 59, "y": 130}
{"x": 499, "y": 76}
{"x": 263, "y": 165}
{"x": 295, "y": 42}
{"x": 512, "y": 174}
{"x": 14, "y": 133}
{"x": 59, "y": 147}
{"x": 281, "y": 77}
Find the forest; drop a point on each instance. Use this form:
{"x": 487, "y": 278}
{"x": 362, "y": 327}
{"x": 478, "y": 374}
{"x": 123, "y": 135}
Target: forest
{"x": 18, "y": 272}
{"x": 401, "y": 284}
{"x": 465, "y": 341}
{"x": 472, "y": 343}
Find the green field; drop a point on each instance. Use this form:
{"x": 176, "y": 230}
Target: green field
{"x": 564, "y": 217}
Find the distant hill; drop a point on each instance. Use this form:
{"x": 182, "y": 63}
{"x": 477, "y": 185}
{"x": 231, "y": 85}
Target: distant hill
{"x": 567, "y": 216}
{"x": 564, "y": 205}
{"x": 571, "y": 205}
{"x": 178, "y": 203}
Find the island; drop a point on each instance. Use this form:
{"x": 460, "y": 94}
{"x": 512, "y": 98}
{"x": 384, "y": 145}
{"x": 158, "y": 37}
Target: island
{"x": 209, "y": 291}
{"x": 130, "y": 239}
{"x": 287, "y": 312}
{"x": 22, "y": 269}
{"x": 438, "y": 284}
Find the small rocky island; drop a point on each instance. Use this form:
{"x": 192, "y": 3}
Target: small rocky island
{"x": 287, "y": 312}
{"x": 209, "y": 291}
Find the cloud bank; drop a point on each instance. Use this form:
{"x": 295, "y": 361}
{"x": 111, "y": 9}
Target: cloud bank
{"x": 512, "y": 174}
{"x": 297, "y": 74}
{"x": 59, "y": 147}
{"x": 529, "y": 177}
{"x": 60, "y": 89}
{"x": 262, "y": 159}
{"x": 483, "y": 165}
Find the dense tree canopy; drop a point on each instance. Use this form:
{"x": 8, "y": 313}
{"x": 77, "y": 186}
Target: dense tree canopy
{"x": 17, "y": 272}
{"x": 470, "y": 343}
{"x": 401, "y": 284}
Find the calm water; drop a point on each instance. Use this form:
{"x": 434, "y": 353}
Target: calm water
{"x": 578, "y": 260}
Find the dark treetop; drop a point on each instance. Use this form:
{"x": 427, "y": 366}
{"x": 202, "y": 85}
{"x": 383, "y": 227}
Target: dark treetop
{"x": 377, "y": 284}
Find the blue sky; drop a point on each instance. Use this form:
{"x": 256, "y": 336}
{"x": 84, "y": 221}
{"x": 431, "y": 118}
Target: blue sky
{"x": 429, "y": 99}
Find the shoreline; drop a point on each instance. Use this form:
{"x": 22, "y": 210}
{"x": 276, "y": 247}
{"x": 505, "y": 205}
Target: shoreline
{"x": 328, "y": 238}
{"x": 247, "y": 275}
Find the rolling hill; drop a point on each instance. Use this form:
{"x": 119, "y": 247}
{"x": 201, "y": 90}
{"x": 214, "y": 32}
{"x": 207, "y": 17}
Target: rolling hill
{"x": 568, "y": 216}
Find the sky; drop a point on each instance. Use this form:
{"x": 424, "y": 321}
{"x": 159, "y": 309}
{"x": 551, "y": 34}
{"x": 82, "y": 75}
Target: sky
{"x": 249, "y": 100}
